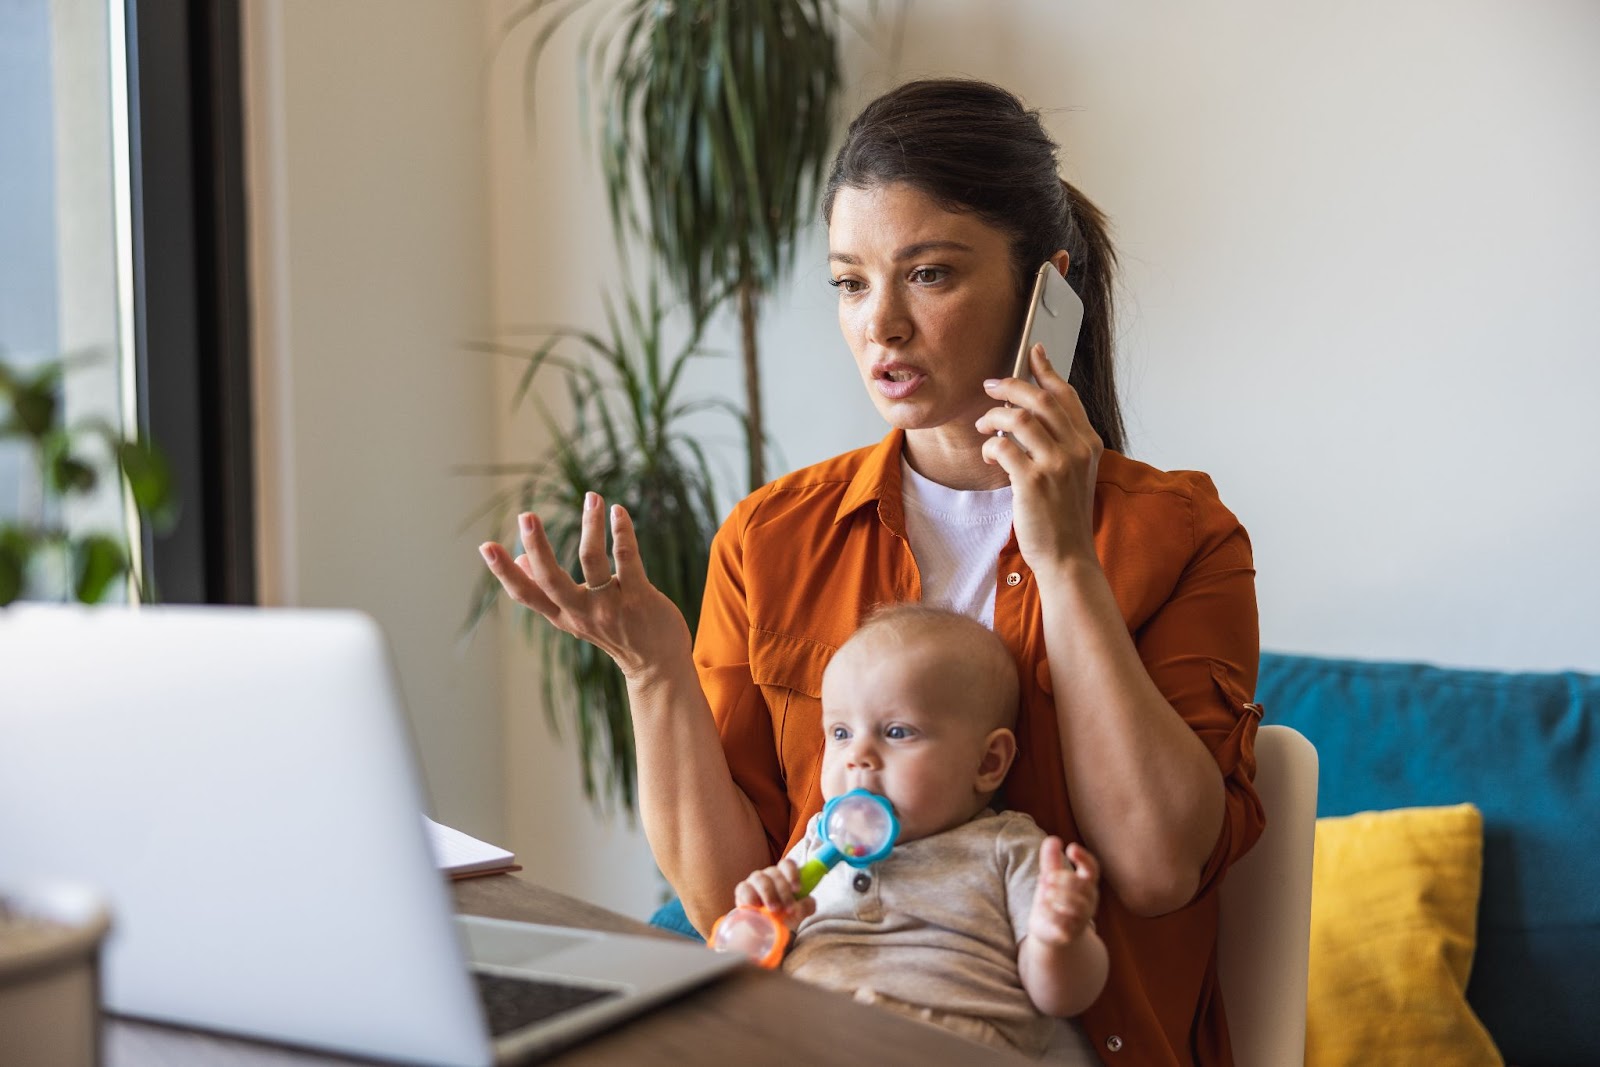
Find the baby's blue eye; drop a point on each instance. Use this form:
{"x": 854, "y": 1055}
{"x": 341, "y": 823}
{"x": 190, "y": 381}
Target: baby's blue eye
{"x": 897, "y": 733}
{"x": 839, "y": 733}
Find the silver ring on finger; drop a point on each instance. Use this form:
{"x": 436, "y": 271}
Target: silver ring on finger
{"x": 596, "y": 587}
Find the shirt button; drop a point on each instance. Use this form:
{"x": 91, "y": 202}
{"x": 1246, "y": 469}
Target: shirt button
{"x": 1114, "y": 1043}
{"x": 1013, "y": 578}
{"x": 862, "y": 882}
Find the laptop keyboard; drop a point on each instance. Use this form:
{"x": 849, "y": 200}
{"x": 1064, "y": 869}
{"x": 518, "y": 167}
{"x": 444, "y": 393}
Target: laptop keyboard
{"x": 512, "y": 1003}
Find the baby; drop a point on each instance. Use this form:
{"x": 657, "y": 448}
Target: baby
{"x": 975, "y": 922}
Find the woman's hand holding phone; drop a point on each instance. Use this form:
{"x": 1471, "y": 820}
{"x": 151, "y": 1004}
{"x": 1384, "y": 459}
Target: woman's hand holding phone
{"x": 1042, "y": 437}
{"x": 1052, "y": 454}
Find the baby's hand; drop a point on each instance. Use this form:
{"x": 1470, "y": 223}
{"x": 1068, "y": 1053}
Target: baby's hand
{"x": 776, "y": 888}
{"x": 1065, "y": 899}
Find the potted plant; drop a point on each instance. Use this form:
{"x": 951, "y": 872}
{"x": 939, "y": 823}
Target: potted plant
{"x": 40, "y": 558}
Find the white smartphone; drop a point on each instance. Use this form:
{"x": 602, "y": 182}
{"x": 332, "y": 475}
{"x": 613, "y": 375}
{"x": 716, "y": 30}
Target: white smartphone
{"x": 1055, "y": 315}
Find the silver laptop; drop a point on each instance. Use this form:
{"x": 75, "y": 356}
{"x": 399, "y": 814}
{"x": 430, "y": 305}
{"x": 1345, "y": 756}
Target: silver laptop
{"x": 241, "y": 782}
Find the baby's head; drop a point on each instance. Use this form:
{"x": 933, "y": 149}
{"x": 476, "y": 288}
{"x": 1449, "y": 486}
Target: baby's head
{"x": 918, "y": 706}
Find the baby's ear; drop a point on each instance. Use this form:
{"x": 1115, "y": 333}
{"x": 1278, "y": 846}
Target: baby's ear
{"x": 999, "y": 750}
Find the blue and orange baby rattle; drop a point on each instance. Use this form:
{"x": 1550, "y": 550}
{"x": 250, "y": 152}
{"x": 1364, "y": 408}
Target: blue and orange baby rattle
{"x": 859, "y": 828}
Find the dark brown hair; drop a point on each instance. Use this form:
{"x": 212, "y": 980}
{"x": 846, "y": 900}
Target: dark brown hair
{"x": 973, "y": 147}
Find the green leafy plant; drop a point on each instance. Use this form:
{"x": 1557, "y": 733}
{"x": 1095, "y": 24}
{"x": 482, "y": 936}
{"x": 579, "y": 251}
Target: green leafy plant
{"x": 717, "y": 117}
{"x": 623, "y": 440}
{"x": 39, "y": 557}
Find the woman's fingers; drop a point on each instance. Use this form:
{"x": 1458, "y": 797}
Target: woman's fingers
{"x": 625, "y": 546}
{"x": 1021, "y": 395}
{"x": 1021, "y": 425}
{"x": 547, "y": 574}
{"x": 1044, "y": 372}
{"x": 1008, "y": 455}
{"x": 592, "y": 558}
{"x": 1044, "y": 422}
{"x": 622, "y": 614}
{"x": 1049, "y": 398}
{"x": 515, "y": 580}
{"x": 1033, "y": 415}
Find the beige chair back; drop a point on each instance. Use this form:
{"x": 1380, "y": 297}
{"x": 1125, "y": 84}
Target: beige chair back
{"x": 1264, "y": 934}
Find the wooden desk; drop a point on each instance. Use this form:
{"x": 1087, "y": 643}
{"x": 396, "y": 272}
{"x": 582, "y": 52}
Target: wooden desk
{"x": 749, "y": 1017}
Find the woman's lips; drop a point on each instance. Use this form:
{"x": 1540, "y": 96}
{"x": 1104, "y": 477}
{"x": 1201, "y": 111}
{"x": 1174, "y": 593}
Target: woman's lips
{"x": 898, "y": 390}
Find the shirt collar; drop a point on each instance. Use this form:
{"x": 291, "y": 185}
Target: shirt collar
{"x": 877, "y": 480}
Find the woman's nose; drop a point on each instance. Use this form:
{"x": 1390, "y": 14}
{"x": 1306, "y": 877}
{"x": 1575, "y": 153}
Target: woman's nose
{"x": 888, "y": 323}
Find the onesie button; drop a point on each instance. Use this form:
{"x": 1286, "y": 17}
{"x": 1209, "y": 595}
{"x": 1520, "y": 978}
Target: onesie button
{"x": 1013, "y": 578}
{"x": 862, "y": 882}
{"x": 1114, "y": 1043}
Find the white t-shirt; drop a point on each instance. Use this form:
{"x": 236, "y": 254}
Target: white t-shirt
{"x": 956, "y": 536}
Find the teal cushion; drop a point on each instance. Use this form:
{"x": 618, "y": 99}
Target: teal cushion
{"x": 671, "y": 916}
{"x": 1525, "y": 748}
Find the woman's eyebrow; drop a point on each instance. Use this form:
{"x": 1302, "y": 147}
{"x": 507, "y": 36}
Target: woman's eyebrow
{"x": 910, "y": 251}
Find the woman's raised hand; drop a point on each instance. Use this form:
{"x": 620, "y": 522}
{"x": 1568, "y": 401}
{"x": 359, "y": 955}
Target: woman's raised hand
{"x": 1051, "y": 453}
{"x": 617, "y": 611}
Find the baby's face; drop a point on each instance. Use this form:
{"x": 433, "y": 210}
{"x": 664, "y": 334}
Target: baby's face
{"x": 892, "y": 724}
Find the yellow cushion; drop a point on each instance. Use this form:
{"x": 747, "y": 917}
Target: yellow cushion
{"x": 1394, "y": 913}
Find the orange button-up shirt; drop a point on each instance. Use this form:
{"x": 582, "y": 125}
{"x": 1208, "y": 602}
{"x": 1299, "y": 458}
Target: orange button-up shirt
{"x": 800, "y": 561}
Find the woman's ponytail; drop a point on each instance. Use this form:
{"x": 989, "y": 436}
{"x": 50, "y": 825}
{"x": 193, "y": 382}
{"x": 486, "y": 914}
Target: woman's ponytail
{"x": 1092, "y": 275}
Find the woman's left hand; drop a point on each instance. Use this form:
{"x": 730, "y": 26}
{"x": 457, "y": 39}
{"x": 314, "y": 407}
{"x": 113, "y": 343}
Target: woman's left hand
{"x": 1052, "y": 454}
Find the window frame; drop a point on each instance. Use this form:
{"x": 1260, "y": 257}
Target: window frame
{"x": 191, "y": 291}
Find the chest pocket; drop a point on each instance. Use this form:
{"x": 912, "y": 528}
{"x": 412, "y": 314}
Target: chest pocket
{"x": 788, "y": 670}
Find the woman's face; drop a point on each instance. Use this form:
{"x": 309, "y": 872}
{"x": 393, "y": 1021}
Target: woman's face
{"x": 927, "y": 302}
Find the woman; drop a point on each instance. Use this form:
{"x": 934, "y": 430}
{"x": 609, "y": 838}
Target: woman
{"x": 1126, "y": 594}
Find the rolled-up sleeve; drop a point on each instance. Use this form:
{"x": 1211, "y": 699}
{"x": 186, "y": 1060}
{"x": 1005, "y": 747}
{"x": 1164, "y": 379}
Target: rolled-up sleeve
{"x": 1202, "y": 649}
{"x": 722, "y": 658}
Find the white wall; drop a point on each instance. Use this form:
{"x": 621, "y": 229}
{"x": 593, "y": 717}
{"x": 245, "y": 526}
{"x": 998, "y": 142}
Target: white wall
{"x": 367, "y": 170}
{"x": 1360, "y": 248}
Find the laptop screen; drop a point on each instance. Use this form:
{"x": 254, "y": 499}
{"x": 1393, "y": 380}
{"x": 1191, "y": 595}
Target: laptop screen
{"x": 242, "y": 785}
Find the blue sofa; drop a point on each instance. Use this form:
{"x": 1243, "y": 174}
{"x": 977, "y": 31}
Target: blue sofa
{"x": 1525, "y": 749}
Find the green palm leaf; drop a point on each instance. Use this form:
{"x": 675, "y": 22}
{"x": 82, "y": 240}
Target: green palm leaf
{"x": 716, "y": 120}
